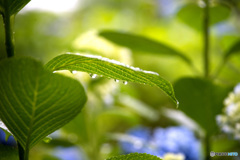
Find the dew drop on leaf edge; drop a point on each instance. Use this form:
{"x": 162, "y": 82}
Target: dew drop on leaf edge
{"x": 93, "y": 75}
{"x": 116, "y": 80}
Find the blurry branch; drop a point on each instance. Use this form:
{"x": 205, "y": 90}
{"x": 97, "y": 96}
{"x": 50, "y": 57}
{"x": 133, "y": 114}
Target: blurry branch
{"x": 181, "y": 118}
{"x": 139, "y": 107}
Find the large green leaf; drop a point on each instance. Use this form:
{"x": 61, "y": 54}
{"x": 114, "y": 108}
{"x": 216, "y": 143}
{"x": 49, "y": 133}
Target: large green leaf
{"x": 12, "y": 6}
{"x": 201, "y": 100}
{"x": 192, "y": 15}
{"x": 135, "y": 156}
{"x": 142, "y": 44}
{"x": 109, "y": 68}
{"x": 35, "y": 102}
{"x": 235, "y": 48}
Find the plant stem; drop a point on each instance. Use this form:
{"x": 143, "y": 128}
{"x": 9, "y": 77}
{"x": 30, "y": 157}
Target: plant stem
{"x": 8, "y": 21}
{"x": 20, "y": 151}
{"x": 206, "y": 39}
{"x": 208, "y": 147}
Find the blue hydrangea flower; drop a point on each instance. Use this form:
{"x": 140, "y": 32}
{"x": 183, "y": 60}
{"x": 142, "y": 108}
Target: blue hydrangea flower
{"x": 10, "y": 141}
{"x": 69, "y": 153}
{"x": 177, "y": 140}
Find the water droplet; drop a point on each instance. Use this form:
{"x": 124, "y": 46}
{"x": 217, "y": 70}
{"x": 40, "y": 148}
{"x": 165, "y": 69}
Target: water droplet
{"x": 74, "y": 72}
{"x": 54, "y": 71}
{"x": 125, "y": 82}
{"x": 116, "y": 80}
{"x": 47, "y": 139}
{"x": 93, "y": 75}
{"x": 177, "y": 103}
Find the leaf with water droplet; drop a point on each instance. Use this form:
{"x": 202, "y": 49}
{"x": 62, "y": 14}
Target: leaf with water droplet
{"x": 109, "y": 68}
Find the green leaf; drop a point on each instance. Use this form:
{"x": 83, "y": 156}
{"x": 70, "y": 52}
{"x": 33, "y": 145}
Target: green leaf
{"x": 35, "y": 102}
{"x": 234, "y": 49}
{"x": 111, "y": 69}
{"x": 142, "y": 44}
{"x": 135, "y": 156}
{"x": 201, "y": 100}
{"x": 192, "y": 15}
{"x": 12, "y": 7}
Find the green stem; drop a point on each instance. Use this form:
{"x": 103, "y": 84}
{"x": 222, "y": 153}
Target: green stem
{"x": 208, "y": 147}
{"x": 206, "y": 39}
{"x": 20, "y": 151}
{"x": 26, "y": 154}
{"x": 9, "y": 38}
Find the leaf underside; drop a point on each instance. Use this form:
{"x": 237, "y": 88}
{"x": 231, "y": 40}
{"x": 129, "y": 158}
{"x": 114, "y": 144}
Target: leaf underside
{"x": 35, "y": 102}
{"x": 12, "y": 6}
{"x": 111, "y": 69}
{"x": 135, "y": 156}
{"x": 234, "y": 49}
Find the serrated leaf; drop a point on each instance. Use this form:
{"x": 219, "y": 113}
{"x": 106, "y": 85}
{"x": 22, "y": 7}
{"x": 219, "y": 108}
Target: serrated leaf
{"x": 12, "y": 7}
{"x": 142, "y": 44}
{"x": 135, "y": 156}
{"x": 111, "y": 69}
{"x": 192, "y": 15}
{"x": 234, "y": 49}
{"x": 35, "y": 102}
{"x": 201, "y": 100}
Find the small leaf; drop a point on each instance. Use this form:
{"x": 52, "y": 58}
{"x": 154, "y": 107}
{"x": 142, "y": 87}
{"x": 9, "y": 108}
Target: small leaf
{"x": 201, "y": 100}
{"x": 12, "y": 7}
{"x": 192, "y": 15}
{"x": 135, "y": 156}
{"x": 97, "y": 65}
{"x": 234, "y": 49}
{"x": 35, "y": 102}
{"x": 142, "y": 44}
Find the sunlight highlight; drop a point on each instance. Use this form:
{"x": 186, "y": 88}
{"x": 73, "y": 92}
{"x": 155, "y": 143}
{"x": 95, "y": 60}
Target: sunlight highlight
{"x": 55, "y": 6}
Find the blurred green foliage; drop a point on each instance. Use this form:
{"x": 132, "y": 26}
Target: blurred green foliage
{"x": 44, "y": 35}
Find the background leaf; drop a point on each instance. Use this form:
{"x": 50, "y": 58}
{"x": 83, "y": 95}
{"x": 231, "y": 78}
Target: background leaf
{"x": 235, "y": 48}
{"x": 12, "y": 6}
{"x": 192, "y": 15}
{"x": 142, "y": 44}
{"x": 201, "y": 100}
{"x": 109, "y": 68}
{"x": 135, "y": 156}
{"x": 35, "y": 102}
